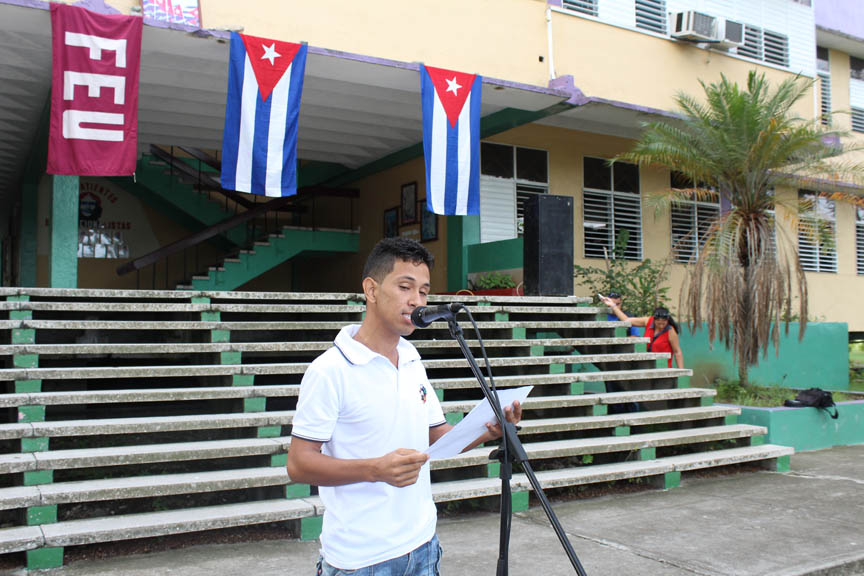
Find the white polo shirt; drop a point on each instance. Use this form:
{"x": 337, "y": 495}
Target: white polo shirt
{"x": 361, "y": 406}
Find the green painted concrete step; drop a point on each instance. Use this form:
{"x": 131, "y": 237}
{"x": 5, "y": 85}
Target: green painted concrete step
{"x": 542, "y": 426}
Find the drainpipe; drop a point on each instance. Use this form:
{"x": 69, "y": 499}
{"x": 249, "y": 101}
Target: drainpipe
{"x": 550, "y": 49}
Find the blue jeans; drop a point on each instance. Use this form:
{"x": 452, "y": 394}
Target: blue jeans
{"x": 424, "y": 560}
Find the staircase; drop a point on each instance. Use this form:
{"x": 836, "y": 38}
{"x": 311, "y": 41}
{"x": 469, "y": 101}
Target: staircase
{"x": 246, "y": 265}
{"x": 134, "y": 414}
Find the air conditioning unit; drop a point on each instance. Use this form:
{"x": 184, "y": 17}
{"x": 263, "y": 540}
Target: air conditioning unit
{"x": 730, "y": 34}
{"x": 694, "y": 26}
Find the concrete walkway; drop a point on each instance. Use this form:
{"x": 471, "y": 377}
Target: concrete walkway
{"x": 809, "y": 521}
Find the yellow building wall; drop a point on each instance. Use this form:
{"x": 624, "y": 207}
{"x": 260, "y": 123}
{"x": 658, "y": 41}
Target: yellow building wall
{"x": 831, "y": 295}
{"x": 443, "y": 33}
{"x": 629, "y": 66}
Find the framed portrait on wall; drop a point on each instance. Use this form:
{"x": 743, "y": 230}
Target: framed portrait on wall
{"x": 409, "y": 203}
{"x": 428, "y": 224}
{"x": 391, "y": 222}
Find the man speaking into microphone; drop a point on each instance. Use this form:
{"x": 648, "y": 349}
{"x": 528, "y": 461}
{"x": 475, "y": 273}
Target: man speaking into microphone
{"x": 365, "y": 415}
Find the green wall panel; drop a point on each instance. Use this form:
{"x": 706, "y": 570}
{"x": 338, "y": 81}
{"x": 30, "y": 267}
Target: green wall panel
{"x": 809, "y": 428}
{"x": 820, "y": 360}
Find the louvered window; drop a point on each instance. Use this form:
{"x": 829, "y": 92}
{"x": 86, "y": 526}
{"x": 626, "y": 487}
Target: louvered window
{"x": 857, "y": 119}
{"x": 611, "y": 205}
{"x": 859, "y": 240}
{"x": 765, "y": 45}
{"x": 509, "y": 176}
{"x": 582, "y": 6}
{"x": 776, "y": 48}
{"x": 817, "y": 234}
{"x": 825, "y": 97}
{"x": 651, "y": 15}
{"x": 691, "y": 221}
{"x": 752, "y": 47}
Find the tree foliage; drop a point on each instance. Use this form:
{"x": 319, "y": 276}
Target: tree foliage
{"x": 743, "y": 143}
{"x": 641, "y": 285}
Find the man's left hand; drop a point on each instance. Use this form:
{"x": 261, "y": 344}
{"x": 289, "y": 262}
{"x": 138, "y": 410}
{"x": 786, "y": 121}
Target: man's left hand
{"x": 512, "y": 414}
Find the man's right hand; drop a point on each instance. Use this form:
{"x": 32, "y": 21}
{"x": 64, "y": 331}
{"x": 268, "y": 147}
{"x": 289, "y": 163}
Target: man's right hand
{"x": 400, "y": 467}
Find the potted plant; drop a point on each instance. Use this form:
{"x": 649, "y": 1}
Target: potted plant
{"x": 494, "y": 284}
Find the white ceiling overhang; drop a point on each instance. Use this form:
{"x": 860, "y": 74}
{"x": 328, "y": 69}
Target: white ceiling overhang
{"x": 355, "y": 109}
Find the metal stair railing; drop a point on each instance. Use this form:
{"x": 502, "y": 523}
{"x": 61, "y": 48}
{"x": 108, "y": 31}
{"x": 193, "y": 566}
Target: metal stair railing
{"x": 247, "y": 211}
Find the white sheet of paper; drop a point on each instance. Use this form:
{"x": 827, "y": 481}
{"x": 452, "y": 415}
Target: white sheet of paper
{"x": 474, "y": 424}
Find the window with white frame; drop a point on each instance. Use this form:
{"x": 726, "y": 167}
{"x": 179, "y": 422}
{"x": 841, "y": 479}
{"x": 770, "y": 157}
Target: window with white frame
{"x": 611, "y": 204}
{"x": 588, "y": 7}
{"x": 691, "y": 221}
{"x": 651, "y": 15}
{"x": 859, "y": 240}
{"x": 817, "y": 232}
{"x": 509, "y": 175}
{"x": 823, "y": 69}
{"x": 765, "y": 45}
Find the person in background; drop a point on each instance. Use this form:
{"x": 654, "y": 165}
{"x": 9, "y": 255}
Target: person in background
{"x": 616, "y": 298}
{"x": 660, "y": 328}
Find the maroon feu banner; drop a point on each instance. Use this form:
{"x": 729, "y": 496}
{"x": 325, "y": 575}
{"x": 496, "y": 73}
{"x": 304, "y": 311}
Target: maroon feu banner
{"x": 94, "y": 92}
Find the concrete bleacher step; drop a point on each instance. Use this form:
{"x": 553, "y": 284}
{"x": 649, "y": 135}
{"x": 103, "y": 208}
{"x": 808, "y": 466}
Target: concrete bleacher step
{"x": 480, "y": 487}
{"x": 140, "y": 487}
{"x": 607, "y": 444}
{"x": 547, "y": 425}
{"x": 144, "y": 425}
{"x": 551, "y": 379}
{"x": 143, "y": 395}
{"x": 574, "y": 400}
{"x": 291, "y": 390}
{"x": 153, "y": 349}
{"x": 276, "y": 325}
{"x": 131, "y": 526}
{"x": 299, "y": 367}
{"x": 150, "y": 307}
{"x": 142, "y": 454}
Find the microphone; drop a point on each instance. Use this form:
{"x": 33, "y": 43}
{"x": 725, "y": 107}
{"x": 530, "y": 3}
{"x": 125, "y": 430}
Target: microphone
{"x": 423, "y": 316}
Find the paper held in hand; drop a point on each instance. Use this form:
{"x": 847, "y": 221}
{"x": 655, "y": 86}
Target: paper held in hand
{"x": 474, "y": 424}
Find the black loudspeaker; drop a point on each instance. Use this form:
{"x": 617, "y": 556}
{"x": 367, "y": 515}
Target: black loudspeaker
{"x": 548, "y": 245}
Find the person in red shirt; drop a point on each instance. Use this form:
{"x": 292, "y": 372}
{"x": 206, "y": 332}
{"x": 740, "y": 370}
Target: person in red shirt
{"x": 660, "y": 327}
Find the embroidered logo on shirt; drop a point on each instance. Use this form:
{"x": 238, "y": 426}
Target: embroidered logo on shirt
{"x": 423, "y": 393}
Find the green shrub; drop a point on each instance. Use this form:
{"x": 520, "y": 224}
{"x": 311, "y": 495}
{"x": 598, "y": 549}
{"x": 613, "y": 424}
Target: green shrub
{"x": 492, "y": 281}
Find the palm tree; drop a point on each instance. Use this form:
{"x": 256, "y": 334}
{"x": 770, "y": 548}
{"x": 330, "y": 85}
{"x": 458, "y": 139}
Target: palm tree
{"x": 743, "y": 144}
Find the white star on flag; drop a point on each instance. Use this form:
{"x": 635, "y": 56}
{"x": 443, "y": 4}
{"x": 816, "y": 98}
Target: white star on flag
{"x": 452, "y": 86}
{"x": 270, "y": 53}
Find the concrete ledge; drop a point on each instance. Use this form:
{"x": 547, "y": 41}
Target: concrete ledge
{"x": 115, "y": 349}
{"x": 144, "y": 425}
{"x": 620, "y": 375}
{"x": 131, "y": 526}
{"x": 20, "y": 538}
{"x": 159, "y": 395}
{"x": 630, "y": 419}
{"x": 541, "y": 402}
{"x": 809, "y": 428}
{"x": 149, "y": 453}
{"x": 607, "y": 444}
{"x": 727, "y": 457}
{"x": 297, "y": 367}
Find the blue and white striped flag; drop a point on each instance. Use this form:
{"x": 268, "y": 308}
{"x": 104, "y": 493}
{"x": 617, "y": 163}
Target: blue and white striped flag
{"x": 451, "y": 140}
{"x": 259, "y": 146}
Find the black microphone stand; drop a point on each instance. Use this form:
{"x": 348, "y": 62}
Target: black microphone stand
{"x": 511, "y": 450}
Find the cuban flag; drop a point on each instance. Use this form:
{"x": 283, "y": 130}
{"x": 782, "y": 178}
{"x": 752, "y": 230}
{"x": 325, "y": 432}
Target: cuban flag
{"x": 451, "y": 140}
{"x": 259, "y": 146}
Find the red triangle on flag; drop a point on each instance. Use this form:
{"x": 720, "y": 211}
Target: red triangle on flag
{"x": 269, "y": 59}
{"x": 452, "y": 88}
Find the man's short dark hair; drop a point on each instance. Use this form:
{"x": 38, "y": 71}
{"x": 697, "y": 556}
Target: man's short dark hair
{"x": 384, "y": 255}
